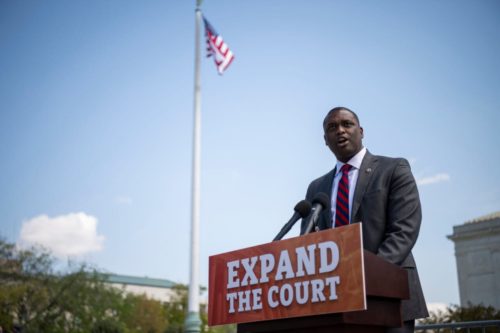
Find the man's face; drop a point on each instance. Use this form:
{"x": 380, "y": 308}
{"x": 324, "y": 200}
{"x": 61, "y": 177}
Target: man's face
{"x": 343, "y": 135}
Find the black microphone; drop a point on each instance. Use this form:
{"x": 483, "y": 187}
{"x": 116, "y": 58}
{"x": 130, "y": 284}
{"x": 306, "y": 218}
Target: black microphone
{"x": 302, "y": 209}
{"x": 321, "y": 201}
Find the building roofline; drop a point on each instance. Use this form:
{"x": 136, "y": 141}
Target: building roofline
{"x": 140, "y": 281}
{"x": 484, "y": 218}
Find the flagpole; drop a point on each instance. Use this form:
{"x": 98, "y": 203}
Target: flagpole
{"x": 193, "y": 322}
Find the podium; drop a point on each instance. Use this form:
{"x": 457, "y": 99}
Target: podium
{"x": 321, "y": 282}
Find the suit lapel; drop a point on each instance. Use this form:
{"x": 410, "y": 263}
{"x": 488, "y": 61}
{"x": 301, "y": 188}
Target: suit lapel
{"x": 326, "y": 187}
{"x": 365, "y": 172}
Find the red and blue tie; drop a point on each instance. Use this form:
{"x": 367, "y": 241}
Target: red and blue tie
{"x": 342, "y": 206}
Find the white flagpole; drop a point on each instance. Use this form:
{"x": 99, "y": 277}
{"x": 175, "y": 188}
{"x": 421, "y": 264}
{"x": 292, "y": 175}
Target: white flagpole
{"x": 193, "y": 322}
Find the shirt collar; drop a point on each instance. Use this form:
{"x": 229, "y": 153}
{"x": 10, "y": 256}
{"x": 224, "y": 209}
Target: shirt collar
{"x": 355, "y": 161}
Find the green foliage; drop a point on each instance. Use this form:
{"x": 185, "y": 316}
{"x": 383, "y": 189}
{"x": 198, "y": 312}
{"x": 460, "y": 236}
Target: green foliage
{"x": 108, "y": 326}
{"x": 176, "y": 309}
{"x": 456, "y": 314}
{"x": 142, "y": 314}
{"x": 35, "y": 298}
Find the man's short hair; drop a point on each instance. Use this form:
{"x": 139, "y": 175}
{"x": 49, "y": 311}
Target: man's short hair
{"x": 340, "y": 108}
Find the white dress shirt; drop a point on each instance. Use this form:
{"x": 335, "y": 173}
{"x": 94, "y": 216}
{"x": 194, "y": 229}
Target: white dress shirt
{"x": 355, "y": 162}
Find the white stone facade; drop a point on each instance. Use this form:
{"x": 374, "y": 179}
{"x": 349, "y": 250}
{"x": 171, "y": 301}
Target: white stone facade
{"x": 157, "y": 289}
{"x": 477, "y": 251}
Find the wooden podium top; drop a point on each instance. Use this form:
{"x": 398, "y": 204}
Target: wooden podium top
{"x": 318, "y": 273}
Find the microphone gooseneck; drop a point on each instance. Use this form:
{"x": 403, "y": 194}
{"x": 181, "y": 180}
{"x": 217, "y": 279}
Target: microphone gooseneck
{"x": 302, "y": 210}
{"x": 321, "y": 201}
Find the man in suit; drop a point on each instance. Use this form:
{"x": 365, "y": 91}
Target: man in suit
{"x": 378, "y": 191}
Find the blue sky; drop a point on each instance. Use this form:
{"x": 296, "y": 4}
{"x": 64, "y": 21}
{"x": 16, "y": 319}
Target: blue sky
{"x": 96, "y": 111}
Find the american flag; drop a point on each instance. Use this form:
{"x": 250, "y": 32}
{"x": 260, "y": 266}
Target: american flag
{"x": 217, "y": 48}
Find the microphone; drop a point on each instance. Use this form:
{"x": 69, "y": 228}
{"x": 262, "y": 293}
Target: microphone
{"x": 321, "y": 201}
{"x": 302, "y": 209}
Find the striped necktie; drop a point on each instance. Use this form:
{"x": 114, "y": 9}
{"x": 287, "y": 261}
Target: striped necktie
{"x": 342, "y": 206}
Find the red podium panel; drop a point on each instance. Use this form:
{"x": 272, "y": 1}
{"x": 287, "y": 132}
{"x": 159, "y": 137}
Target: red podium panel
{"x": 386, "y": 286}
{"x": 318, "y": 273}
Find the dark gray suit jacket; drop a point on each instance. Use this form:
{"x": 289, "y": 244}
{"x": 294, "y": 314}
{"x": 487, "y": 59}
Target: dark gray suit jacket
{"x": 386, "y": 201}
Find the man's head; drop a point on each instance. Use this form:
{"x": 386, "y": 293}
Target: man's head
{"x": 343, "y": 133}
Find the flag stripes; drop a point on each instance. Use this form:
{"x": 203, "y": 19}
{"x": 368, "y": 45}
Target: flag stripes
{"x": 217, "y": 48}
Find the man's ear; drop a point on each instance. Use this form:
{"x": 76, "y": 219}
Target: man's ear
{"x": 362, "y": 132}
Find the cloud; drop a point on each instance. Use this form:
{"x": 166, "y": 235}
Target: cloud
{"x": 123, "y": 200}
{"x": 436, "y": 307}
{"x": 73, "y": 234}
{"x": 438, "y": 178}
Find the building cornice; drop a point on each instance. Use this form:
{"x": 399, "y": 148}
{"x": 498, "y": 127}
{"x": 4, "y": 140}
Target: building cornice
{"x": 478, "y": 228}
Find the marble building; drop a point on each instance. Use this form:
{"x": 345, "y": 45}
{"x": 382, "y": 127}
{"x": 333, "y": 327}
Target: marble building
{"x": 477, "y": 251}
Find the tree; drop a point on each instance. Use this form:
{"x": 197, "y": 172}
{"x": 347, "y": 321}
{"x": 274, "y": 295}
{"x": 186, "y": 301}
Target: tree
{"x": 176, "y": 310}
{"x": 457, "y": 314}
{"x": 142, "y": 314}
{"x": 35, "y": 298}
{"x": 108, "y": 326}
